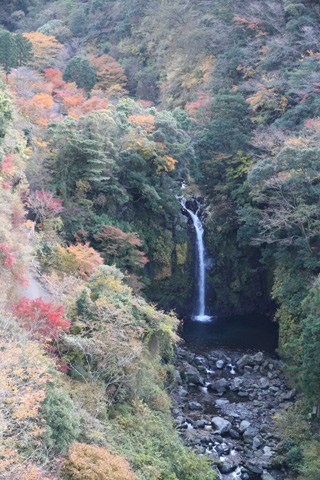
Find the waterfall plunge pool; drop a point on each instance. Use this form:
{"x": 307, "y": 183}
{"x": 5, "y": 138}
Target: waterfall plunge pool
{"x": 247, "y": 332}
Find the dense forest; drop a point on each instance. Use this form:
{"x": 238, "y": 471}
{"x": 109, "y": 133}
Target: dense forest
{"x": 110, "y": 111}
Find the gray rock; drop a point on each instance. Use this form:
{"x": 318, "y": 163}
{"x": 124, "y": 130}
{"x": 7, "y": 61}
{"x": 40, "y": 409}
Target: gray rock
{"x": 267, "y": 476}
{"x": 221, "y": 402}
{"x": 220, "y": 364}
{"x": 221, "y": 425}
{"x": 195, "y": 406}
{"x": 257, "y": 442}
{"x": 191, "y": 374}
{"x": 199, "y": 424}
{"x": 243, "y": 361}
{"x": 289, "y": 395}
{"x": 243, "y": 394}
{"x": 234, "y": 434}
{"x": 227, "y": 466}
{"x": 219, "y": 386}
{"x": 249, "y": 435}
{"x": 236, "y": 384}
{"x": 254, "y": 466}
{"x": 264, "y": 382}
{"x": 178, "y": 377}
{"x": 258, "y": 357}
{"x": 182, "y": 392}
{"x": 244, "y": 425}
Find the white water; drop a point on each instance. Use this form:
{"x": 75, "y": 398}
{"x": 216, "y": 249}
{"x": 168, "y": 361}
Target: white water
{"x": 200, "y": 315}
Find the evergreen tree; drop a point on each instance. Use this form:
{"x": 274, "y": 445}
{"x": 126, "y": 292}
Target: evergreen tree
{"x": 80, "y": 70}
{"x": 8, "y": 51}
{"x": 24, "y": 49}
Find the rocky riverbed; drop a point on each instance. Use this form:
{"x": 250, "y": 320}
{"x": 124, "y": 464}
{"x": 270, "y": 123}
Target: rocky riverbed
{"x": 224, "y": 407}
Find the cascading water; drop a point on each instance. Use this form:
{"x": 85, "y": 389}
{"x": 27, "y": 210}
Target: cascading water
{"x": 200, "y": 314}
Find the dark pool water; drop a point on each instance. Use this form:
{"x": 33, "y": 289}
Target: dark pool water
{"x": 248, "y": 332}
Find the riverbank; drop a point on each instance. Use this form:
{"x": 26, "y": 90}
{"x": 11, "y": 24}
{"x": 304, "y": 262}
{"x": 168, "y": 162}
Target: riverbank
{"x": 225, "y": 405}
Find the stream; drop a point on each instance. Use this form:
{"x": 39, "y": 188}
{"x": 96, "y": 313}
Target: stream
{"x": 230, "y": 383}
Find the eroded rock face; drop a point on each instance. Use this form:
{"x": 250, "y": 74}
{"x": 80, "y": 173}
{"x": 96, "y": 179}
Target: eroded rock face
{"x": 229, "y": 416}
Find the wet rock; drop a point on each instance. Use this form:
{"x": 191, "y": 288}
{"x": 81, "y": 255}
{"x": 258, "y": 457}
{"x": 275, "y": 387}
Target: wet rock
{"x": 199, "y": 424}
{"x": 221, "y": 425}
{"x": 195, "y": 406}
{"x": 227, "y": 466}
{"x": 191, "y": 374}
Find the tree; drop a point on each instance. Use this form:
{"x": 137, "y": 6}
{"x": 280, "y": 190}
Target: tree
{"x": 45, "y": 49}
{"x": 24, "y": 50}
{"x": 80, "y": 70}
{"x": 110, "y": 75}
{"x": 44, "y": 204}
{"x": 229, "y": 127}
{"x": 79, "y": 259}
{"x": 8, "y": 52}
{"x": 121, "y": 247}
{"x": 309, "y": 370}
{"x": 41, "y": 319}
{"x": 288, "y": 185}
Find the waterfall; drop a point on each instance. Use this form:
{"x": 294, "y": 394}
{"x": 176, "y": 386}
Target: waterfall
{"x": 200, "y": 314}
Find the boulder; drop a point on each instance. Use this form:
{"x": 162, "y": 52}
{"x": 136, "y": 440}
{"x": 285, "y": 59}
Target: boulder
{"x": 221, "y": 425}
{"x": 221, "y": 402}
{"x": 245, "y": 360}
{"x": 236, "y": 384}
{"x": 267, "y": 476}
{"x": 244, "y": 425}
{"x": 258, "y": 358}
{"x": 264, "y": 382}
{"x": 195, "y": 406}
{"x": 254, "y": 466}
{"x": 191, "y": 374}
{"x": 220, "y": 364}
{"x": 219, "y": 386}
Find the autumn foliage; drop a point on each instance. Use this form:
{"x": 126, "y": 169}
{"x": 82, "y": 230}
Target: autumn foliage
{"x": 117, "y": 244}
{"x": 41, "y": 319}
{"x": 79, "y": 259}
{"x": 44, "y": 204}
{"x": 95, "y": 463}
{"x": 45, "y": 48}
{"x": 23, "y": 379}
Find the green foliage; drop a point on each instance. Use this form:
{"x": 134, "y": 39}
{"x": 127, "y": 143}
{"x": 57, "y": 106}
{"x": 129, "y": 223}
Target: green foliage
{"x": 61, "y": 419}
{"x": 8, "y": 51}
{"x": 80, "y": 71}
{"x": 154, "y": 449}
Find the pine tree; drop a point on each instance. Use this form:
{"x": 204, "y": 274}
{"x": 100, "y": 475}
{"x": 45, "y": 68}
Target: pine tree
{"x": 24, "y": 49}
{"x": 8, "y": 52}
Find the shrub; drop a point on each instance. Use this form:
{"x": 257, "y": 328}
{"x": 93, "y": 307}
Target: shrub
{"x": 89, "y": 462}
